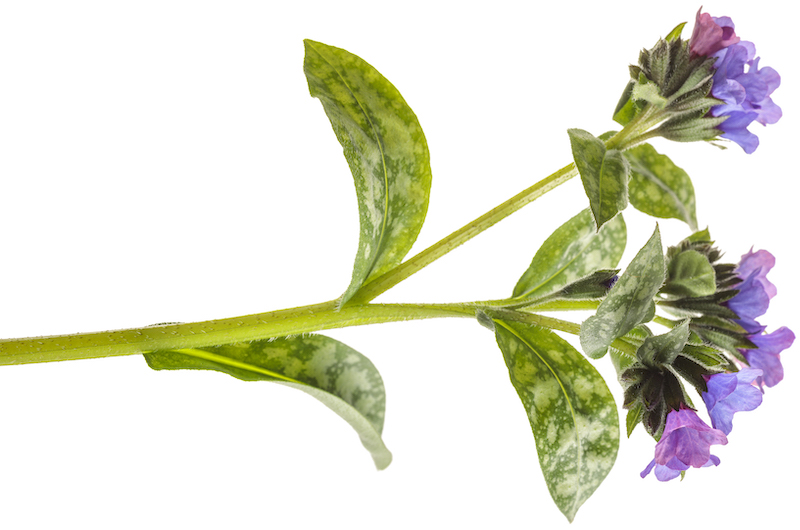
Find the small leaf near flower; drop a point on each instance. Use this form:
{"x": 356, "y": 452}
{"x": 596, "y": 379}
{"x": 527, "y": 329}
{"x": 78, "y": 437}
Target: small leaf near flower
{"x": 573, "y": 251}
{"x": 629, "y": 303}
{"x": 660, "y": 188}
{"x": 604, "y": 174}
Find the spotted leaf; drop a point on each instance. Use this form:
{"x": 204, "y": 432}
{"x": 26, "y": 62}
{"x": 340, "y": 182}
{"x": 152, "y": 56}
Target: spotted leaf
{"x": 335, "y": 374}
{"x": 629, "y": 303}
{"x": 604, "y": 173}
{"x": 660, "y": 188}
{"x": 573, "y": 251}
{"x": 571, "y": 410}
{"x": 386, "y": 150}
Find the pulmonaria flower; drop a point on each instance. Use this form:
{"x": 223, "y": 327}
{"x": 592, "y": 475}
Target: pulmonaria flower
{"x": 685, "y": 443}
{"x": 731, "y": 393}
{"x": 752, "y": 301}
{"x": 710, "y": 34}
{"x": 745, "y": 94}
{"x": 767, "y": 356}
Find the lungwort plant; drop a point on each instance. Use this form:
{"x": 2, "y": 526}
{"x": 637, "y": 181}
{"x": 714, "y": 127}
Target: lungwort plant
{"x": 676, "y": 321}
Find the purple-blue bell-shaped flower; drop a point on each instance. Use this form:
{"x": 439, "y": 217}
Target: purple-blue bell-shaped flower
{"x": 746, "y": 95}
{"x": 755, "y": 291}
{"x": 685, "y": 443}
{"x": 751, "y": 302}
{"x": 767, "y": 356}
{"x": 731, "y": 393}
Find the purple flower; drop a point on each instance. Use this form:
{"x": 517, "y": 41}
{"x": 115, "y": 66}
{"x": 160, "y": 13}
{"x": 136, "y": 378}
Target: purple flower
{"x": 767, "y": 356}
{"x": 746, "y": 95}
{"x": 761, "y": 262}
{"x": 673, "y": 469}
{"x": 731, "y": 393}
{"x": 685, "y": 443}
{"x": 711, "y": 34}
{"x": 755, "y": 291}
{"x": 752, "y": 301}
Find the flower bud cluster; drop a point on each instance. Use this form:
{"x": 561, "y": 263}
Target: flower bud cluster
{"x": 699, "y": 89}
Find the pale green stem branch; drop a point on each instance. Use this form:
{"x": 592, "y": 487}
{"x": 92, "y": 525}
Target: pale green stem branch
{"x": 462, "y": 235}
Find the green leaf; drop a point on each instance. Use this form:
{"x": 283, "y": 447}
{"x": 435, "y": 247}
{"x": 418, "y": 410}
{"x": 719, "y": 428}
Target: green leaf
{"x": 341, "y": 378}
{"x": 572, "y": 252}
{"x": 386, "y": 150}
{"x": 626, "y": 108}
{"x": 634, "y": 417}
{"x": 650, "y": 93}
{"x": 690, "y": 274}
{"x": 675, "y": 33}
{"x": 660, "y": 188}
{"x": 629, "y": 303}
{"x": 604, "y": 174}
{"x": 571, "y": 411}
{"x": 663, "y": 349}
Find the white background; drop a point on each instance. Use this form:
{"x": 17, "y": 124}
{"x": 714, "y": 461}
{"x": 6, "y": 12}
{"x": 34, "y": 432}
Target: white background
{"x": 163, "y": 161}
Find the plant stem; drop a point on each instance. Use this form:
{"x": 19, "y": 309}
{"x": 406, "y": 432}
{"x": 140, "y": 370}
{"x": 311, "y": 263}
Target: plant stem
{"x": 462, "y": 235}
{"x": 322, "y": 316}
{"x": 213, "y": 332}
{"x": 260, "y": 326}
{"x": 631, "y": 135}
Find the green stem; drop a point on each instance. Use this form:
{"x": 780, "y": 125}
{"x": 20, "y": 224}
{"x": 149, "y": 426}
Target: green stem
{"x": 213, "y": 332}
{"x": 319, "y": 316}
{"x": 631, "y": 135}
{"x": 260, "y": 326}
{"x": 462, "y": 235}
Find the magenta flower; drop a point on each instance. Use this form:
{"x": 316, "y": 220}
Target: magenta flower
{"x": 731, "y": 393}
{"x": 685, "y": 443}
{"x": 711, "y": 34}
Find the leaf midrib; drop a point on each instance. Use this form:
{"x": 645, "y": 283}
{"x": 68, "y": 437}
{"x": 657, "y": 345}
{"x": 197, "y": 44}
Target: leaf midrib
{"x": 652, "y": 177}
{"x": 233, "y": 363}
{"x": 379, "y": 141}
{"x": 569, "y": 403}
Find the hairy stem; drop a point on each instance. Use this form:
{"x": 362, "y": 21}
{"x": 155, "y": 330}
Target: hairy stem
{"x": 294, "y": 321}
{"x": 462, "y": 235}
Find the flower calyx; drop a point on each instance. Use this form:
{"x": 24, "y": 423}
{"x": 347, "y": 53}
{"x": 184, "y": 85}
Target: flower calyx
{"x": 675, "y": 85}
{"x": 653, "y": 383}
{"x": 699, "y": 287}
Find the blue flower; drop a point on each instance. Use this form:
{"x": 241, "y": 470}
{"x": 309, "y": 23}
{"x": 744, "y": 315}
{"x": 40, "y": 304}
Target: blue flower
{"x": 745, "y": 95}
{"x": 767, "y": 356}
{"x": 685, "y": 443}
{"x": 752, "y": 301}
{"x": 731, "y": 393}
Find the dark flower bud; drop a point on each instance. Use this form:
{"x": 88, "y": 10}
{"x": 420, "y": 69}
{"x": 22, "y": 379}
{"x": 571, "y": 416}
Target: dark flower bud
{"x": 592, "y": 287}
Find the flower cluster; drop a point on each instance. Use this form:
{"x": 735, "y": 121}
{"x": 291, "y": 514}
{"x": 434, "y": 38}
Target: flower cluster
{"x": 746, "y": 95}
{"x": 686, "y": 438}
